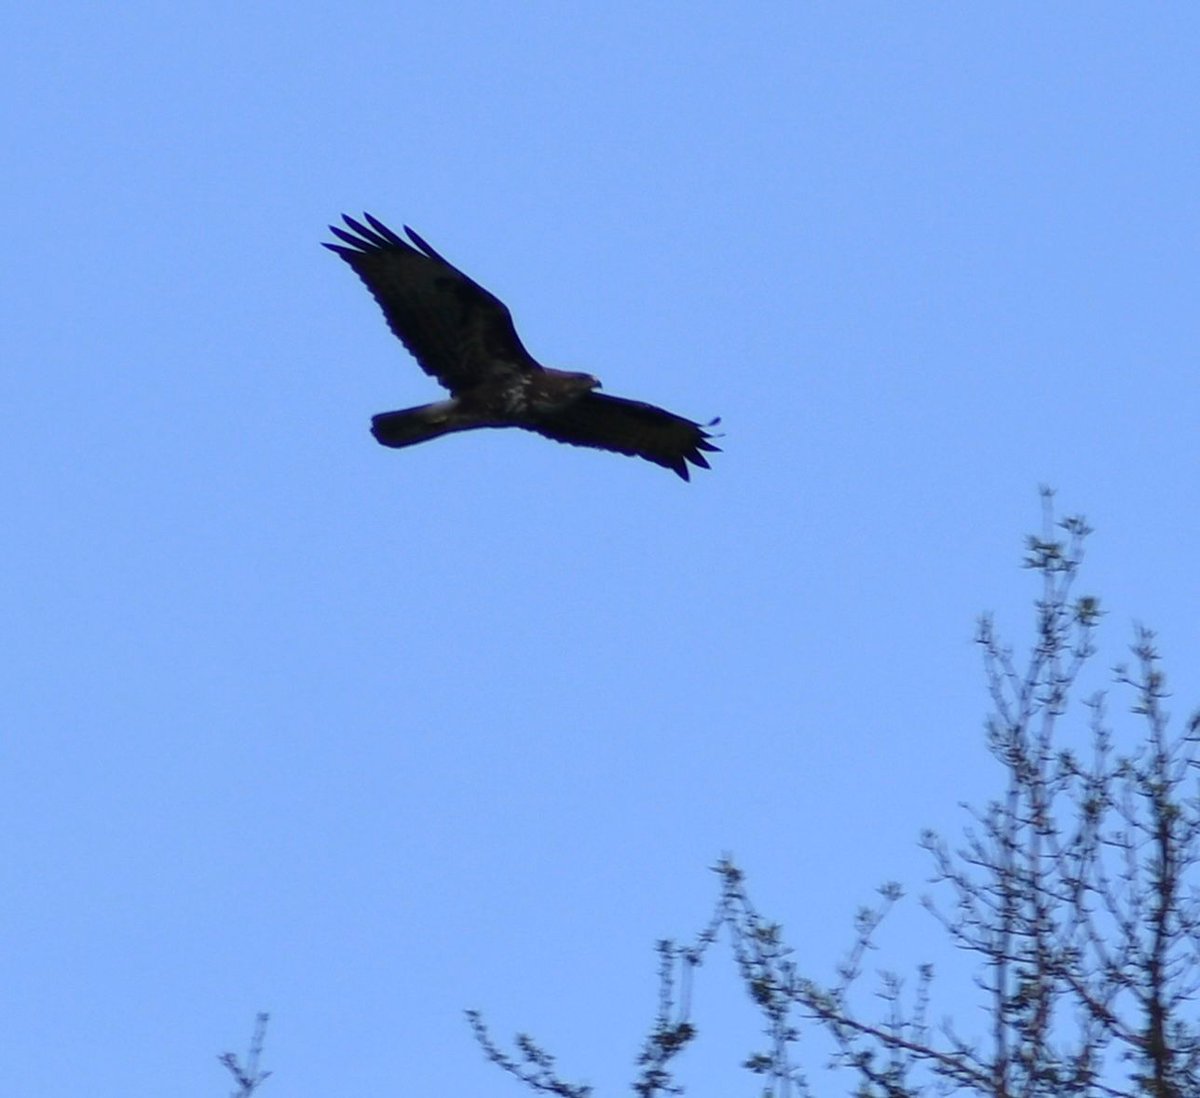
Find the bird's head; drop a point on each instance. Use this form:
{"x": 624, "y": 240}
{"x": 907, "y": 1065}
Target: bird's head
{"x": 585, "y": 382}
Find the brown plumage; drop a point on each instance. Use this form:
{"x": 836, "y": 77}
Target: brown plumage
{"x": 463, "y": 336}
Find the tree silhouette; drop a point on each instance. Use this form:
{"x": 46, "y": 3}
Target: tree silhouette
{"x": 1074, "y": 891}
{"x": 248, "y": 1076}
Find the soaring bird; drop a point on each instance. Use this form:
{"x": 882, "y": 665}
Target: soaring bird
{"x": 464, "y": 337}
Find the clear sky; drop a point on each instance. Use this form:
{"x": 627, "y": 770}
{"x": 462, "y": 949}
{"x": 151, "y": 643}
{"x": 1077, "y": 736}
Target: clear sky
{"x": 296, "y": 723}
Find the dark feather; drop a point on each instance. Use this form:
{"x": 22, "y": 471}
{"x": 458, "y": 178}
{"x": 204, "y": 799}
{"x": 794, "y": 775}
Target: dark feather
{"x": 629, "y": 427}
{"x": 464, "y": 336}
{"x": 458, "y": 332}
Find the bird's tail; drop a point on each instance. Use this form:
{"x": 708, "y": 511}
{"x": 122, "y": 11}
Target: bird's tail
{"x": 412, "y": 425}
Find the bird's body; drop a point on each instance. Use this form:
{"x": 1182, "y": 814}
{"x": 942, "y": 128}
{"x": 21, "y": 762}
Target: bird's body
{"x": 464, "y": 337}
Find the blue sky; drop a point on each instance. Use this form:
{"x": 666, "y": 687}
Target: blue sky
{"x": 363, "y": 738}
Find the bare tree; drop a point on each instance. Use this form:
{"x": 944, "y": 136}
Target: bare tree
{"x": 247, "y": 1076}
{"x": 1075, "y": 891}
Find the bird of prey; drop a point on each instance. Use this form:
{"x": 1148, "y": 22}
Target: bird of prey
{"x": 463, "y": 336}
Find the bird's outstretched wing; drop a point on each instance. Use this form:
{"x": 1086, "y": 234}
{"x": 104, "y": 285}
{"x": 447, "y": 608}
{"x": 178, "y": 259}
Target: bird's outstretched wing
{"x": 629, "y": 427}
{"x": 461, "y": 334}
